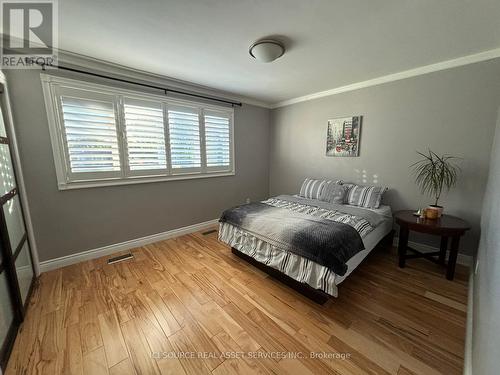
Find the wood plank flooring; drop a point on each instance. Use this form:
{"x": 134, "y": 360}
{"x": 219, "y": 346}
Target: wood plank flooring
{"x": 189, "y": 296}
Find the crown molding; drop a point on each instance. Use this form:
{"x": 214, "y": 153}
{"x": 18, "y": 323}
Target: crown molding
{"x": 111, "y": 68}
{"x": 448, "y": 64}
{"x": 84, "y": 61}
{"x": 114, "y": 68}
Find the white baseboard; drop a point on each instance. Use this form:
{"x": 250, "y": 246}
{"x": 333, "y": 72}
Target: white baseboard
{"x": 67, "y": 260}
{"x": 465, "y": 260}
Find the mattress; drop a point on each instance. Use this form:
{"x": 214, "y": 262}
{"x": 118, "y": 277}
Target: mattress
{"x": 370, "y": 241}
{"x": 301, "y": 269}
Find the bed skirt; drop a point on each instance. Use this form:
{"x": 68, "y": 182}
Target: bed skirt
{"x": 298, "y": 268}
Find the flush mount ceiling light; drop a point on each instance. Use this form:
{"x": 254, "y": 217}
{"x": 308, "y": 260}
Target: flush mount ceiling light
{"x": 266, "y": 50}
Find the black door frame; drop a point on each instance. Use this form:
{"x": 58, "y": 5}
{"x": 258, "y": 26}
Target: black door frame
{"x": 9, "y": 257}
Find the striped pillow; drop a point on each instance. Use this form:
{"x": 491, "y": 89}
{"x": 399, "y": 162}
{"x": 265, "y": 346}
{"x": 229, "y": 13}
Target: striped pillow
{"x": 364, "y": 196}
{"x": 333, "y": 192}
{"x": 347, "y": 187}
{"x": 312, "y": 189}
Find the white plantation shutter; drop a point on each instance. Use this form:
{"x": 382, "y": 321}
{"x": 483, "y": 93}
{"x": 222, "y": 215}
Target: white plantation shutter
{"x": 218, "y": 139}
{"x": 184, "y": 134}
{"x": 145, "y": 135}
{"x": 90, "y": 135}
{"x": 103, "y": 135}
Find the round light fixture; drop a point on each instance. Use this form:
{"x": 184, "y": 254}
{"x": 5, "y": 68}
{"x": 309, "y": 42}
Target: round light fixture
{"x": 266, "y": 50}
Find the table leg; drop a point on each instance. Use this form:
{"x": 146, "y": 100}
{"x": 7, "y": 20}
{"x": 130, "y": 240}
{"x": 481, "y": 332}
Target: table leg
{"x": 452, "y": 260}
{"x": 443, "y": 248}
{"x": 403, "y": 244}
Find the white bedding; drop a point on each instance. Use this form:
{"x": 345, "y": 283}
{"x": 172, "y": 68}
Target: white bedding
{"x": 302, "y": 270}
{"x": 370, "y": 241}
{"x": 382, "y": 210}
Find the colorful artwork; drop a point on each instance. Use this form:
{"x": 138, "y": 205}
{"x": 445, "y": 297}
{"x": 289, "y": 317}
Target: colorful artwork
{"x": 342, "y": 137}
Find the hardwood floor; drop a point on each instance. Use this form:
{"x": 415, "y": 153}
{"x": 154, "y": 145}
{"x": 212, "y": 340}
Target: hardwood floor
{"x": 191, "y": 295}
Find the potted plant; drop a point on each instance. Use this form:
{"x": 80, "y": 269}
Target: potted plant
{"x": 433, "y": 174}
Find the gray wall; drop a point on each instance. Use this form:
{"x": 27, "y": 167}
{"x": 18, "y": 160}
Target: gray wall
{"x": 451, "y": 111}
{"x": 486, "y": 326}
{"x": 71, "y": 221}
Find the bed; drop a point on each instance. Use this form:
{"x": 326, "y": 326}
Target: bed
{"x": 317, "y": 281}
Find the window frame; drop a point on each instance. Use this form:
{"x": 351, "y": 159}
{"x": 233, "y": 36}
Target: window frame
{"x": 66, "y": 179}
{"x": 100, "y": 97}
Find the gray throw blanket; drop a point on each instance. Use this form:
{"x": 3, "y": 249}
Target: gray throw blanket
{"x": 323, "y": 241}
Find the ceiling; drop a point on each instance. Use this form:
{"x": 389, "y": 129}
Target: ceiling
{"x": 330, "y": 43}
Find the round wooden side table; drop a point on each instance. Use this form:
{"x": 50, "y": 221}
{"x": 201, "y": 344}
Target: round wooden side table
{"x": 446, "y": 227}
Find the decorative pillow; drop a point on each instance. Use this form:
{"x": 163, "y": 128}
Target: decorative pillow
{"x": 312, "y": 188}
{"x": 347, "y": 187}
{"x": 333, "y": 193}
{"x": 364, "y": 196}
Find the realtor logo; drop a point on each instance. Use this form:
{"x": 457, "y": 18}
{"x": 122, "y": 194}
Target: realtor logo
{"x": 29, "y": 37}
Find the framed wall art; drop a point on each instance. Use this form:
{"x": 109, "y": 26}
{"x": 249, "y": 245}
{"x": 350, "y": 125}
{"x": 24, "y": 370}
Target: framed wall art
{"x": 342, "y": 137}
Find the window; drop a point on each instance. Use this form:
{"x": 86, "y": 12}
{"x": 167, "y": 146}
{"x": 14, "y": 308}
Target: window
{"x": 184, "y": 130}
{"x": 217, "y": 139}
{"x": 106, "y": 136}
{"x": 145, "y": 135}
{"x": 90, "y": 134}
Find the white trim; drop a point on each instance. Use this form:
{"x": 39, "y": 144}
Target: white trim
{"x": 463, "y": 259}
{"x": 57, "y": 148}
{"x": 67, "y": 260}
{"x": 9, "y": 124}
{"x": 469, "y": 327}
{"x": 448, "y": 64}
{"x": 110, "y": 89}
{"x": 67, "y": 57}
{"x": 114, "y": 69}
{"x": 140, "y": 180}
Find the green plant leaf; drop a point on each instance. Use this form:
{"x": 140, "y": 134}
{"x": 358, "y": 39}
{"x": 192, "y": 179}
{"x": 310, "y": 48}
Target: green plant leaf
{"x": 435, "y": 173}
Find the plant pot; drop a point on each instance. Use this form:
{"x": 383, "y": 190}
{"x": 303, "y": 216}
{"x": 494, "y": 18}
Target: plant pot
{"x": 437, "y": 209}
